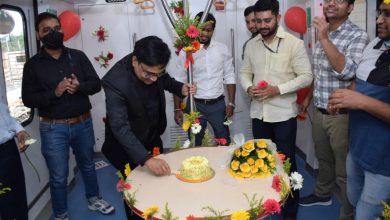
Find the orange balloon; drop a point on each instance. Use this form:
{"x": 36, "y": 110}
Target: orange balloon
{"x": 70, "y": 24}
{"x": 295, "y": 19}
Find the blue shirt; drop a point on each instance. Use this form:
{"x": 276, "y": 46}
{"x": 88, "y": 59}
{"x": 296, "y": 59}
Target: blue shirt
{"x": 9, "y": 126}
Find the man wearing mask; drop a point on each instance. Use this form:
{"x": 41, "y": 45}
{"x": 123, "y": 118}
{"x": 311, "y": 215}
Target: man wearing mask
{"x": 336, "y": 56}
{"x": 212, "y": 70}
{"x": 13, "y": 203}
{"x": 275, "y": 66}
{"x": 57, "y": 81}
{"x": 250, "y": 22}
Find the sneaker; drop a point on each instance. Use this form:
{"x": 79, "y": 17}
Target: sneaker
{"x": 312, "y": 199}
{"x": 98, "y": 204}
{"x": 61, "y": 217}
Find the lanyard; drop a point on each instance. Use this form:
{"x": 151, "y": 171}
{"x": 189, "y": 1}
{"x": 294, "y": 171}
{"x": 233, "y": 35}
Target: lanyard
{"x": 272, "y": 51}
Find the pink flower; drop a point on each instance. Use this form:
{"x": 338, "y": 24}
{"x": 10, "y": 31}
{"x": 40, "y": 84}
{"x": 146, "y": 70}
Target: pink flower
{"x": 122, "y": 185}
{"x": 196, "y": 121}
{"x": 262, "y": 84}
{"x": 192, "y": 32}
{"x": 276, "y": 183}
{"x": 271, "y": 206}
{"x": 221, "y": 141}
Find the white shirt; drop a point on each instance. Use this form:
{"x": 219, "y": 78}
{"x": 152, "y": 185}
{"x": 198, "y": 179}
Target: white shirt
{"x": 213, "y": 67}
{"x": 9, "y": 126}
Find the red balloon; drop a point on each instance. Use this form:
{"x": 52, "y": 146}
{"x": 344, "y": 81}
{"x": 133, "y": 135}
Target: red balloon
{"x": 70, "y": 24}
{"x": 295, "y": 19}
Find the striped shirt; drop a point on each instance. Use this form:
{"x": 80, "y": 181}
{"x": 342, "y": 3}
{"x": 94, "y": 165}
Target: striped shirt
{"x": 350, "y": 40}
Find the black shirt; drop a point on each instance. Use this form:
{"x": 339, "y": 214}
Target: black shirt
{"x": 41, "y": 75}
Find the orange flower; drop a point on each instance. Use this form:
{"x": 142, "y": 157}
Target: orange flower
{"x": 156, "y": 151}
{"x": 196, "y": 45}
{"x": 282, "y": 157}
{"x": 190, "y": 217}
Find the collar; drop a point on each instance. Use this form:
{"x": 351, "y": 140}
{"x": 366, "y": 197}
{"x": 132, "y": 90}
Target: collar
{"x": 43, "y": 54}
{"x": 344, "y": 26}
{"x": 212, "y": 44}
{"x": 279, "y": 34}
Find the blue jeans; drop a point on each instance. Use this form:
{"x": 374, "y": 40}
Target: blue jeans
{"x": 56, "y": 140}
{"x": 366, "y": 191}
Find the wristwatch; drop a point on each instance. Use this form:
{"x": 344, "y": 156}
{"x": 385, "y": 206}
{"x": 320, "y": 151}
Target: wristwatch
{"x": 232, "y": 104}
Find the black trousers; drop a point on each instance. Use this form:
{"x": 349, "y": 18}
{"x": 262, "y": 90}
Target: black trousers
{"x": 283, "y": 134}
{"x": 13, "y": 204}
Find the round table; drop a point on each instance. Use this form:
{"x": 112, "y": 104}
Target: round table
{"x": 222, "y": 192}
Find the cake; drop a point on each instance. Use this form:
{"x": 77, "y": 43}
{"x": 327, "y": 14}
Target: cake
{"x": 195, "y": 169}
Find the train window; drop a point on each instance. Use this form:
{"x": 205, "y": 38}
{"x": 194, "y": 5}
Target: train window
{"x": 14, "y": 51}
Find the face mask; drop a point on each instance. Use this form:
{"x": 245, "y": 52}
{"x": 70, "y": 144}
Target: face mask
{"x": 53, "y": 40}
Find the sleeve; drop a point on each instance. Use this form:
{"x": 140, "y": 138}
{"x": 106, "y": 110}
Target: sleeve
{"x": 353, "y": 55}
{"x": 172, "y": 86}
{"x": 246, "y": 72}
{"x": 301, "y": 67}
{"x": 32, "y": 95}
{"x": 90, "y": 82}
{"x": 117, "y": 115}
{"x": 15, "y": 125}
{"x": 229, "y": 76}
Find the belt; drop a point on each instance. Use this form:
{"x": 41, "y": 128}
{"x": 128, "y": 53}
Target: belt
{"x": 209, "y": 101}
{"x": 72, "y": 120}
{"x": 341, "y": 111}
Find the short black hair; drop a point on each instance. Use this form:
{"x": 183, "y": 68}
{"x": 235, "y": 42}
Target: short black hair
{"x": 152, "y": 51}
{"x": 267, "y": 5}
{"x": 249, "y": 10}
{"x": 43, "y": 16}
{"x": 210, "y": 17}
{"x": 351, "y": 2}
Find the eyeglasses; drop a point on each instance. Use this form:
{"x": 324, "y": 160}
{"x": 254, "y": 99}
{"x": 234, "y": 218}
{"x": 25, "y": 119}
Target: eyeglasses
{"x": 384, "y": 13}
{"x": 149, "y": 75}
{"x": 339, "y": 2}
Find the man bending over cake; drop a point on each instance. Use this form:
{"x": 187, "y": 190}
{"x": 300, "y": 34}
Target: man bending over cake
{"x": 135, "y": 105}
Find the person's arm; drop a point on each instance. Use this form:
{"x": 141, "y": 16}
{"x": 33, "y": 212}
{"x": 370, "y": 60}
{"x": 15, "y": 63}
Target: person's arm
{"x": 229, "y": 78}
{"x": 346, "y": 98}
{"x": 89, "y": 82}
{"x": 117, "y": 116}
{"x": 33, "y": 95}
{"x": 246, "y": 72}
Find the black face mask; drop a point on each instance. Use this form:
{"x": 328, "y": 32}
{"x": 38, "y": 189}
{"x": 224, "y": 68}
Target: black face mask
{"x": 53, "y": 40}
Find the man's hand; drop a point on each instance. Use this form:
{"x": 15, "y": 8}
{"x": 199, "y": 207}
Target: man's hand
{"x": 322, "y": 26}
{"x": 62, "y": 86}
{"x": 229, "y": 111}
{"x": 345, "y": 98}
{"x": 74, "y": 85}
{"x": 268, "y": 92}
{"x": 302, "y": 108}
{"x": 22, "y": 136}
{"x": 188, "y": 89}
{"x": 178, "y": 116}
{"x": 253, "y": 91}
{"x": 158, "y": 166}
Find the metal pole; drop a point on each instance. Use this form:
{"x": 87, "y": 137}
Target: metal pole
{"x": 206, "y": 11}
{"x": 169, "y": 13}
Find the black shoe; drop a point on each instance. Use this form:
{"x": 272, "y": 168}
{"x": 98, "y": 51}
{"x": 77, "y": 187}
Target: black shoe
{"x": 312, "y": 199}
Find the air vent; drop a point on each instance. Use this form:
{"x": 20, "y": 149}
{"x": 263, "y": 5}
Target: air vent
{"x": 114, "y": 1}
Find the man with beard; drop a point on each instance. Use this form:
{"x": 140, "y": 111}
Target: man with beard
{"x": 368, "y": 161}
{"x": 250, "y": 22}
{"x": 275, "y": 66}
{"x": 336, "y": 56}
{"x": 58, "y": 81}
{"x": 212, "y": 69}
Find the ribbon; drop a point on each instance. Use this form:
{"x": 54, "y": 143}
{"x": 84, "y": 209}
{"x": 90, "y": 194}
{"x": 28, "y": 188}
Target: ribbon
{"x": 189, "y": 58}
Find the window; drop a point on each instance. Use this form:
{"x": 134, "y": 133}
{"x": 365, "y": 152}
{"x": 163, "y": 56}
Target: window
{"x": 14, "y": 50}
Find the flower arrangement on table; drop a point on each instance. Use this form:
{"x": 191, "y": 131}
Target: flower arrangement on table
{"x": 104, "y": 59}
{"x": 101, "y": 33}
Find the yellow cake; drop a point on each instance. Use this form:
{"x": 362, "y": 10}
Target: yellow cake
{"x": 196, "y": 168}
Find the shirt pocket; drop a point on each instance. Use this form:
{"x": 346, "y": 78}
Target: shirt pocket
{"x": 280, "y": 62}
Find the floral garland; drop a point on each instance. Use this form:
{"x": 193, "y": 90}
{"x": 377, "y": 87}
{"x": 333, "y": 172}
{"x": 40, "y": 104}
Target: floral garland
{"x": 101, "y": 33}
{"x": 104, "y": 59}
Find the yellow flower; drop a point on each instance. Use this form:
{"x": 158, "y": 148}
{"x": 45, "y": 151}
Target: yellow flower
{"x": 234, "y": 164}
{"x": 186, "y": 125}
{"x": 271, "y": 158}
{"x": 264, "y": 168}
{"x": 272, "y": 164}
{"x": 254, "y": 169}
{"x": 245, "y": 153}
{"x": 127, "y": 170}
{"x": 259, "y": 163}
{"x": 261, "y": 143}
{"x": 189, "y": 49}
{"x": 386, "y": 1}
{"x": 237, "y": 152}
{"x": 262, "y": 153}
{"x": 149, "y": 212}
{"x": 183, "y": 105}
{"x": 248, "y": 146}
{"x": 250, "y": 161}
{"x": 244, "y": 167}
{"x": 240, "y": 215}
{"x": 246, "y": 174}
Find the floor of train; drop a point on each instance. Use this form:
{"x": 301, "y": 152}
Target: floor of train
{"x": 107, "y": 180}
